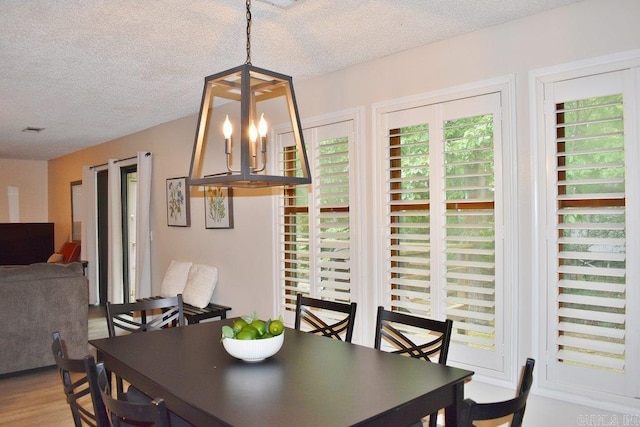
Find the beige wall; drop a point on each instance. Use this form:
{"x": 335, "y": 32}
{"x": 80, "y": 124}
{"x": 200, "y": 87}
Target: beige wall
{"x": 244, "y": 255}
{"x": 171, "y": 145}
{"x": 30, "y": 178}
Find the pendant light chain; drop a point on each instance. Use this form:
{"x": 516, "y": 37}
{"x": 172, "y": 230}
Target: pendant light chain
{"x": 248, "y": 61}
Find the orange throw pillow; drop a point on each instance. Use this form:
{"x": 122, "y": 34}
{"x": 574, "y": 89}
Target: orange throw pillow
{"x": 70, "y": 252}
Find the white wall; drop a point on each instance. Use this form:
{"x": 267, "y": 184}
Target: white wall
{"x": 29, "y": 177}
{"x": 244, "y": 254}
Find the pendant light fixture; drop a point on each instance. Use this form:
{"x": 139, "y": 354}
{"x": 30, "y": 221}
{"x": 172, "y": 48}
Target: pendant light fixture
{"x": 235, "y": 109}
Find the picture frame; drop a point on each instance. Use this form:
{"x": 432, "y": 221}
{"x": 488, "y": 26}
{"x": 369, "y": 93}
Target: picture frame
{"x": 178, "y": 213}
{"x": 218, "y": 207}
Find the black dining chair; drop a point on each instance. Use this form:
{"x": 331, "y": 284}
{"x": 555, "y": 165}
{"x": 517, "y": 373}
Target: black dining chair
{"x": 145, "y": 315}
{"x": 121, "y": 411}
{"x": 86, "y": 404}
{"x": 142, "y": 316}
{"x": 327, "y": 318}
{"x": 434, "y": 335}
{"x": 413, "y": 336}
{"x": 473, "y": 411}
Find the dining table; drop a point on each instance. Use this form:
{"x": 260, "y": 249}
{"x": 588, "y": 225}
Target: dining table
{"x": 311, "y": 381}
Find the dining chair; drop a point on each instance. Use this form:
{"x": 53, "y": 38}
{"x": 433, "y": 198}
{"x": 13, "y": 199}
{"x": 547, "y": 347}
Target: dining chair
{"x": 473, "y": 411}
{"x": 327, "y": 318}
{"x": 122, "y": 412}
{"x": 145, "y": 315}
{"x": 413, "y": 336}
{"x": 86, "y": 405}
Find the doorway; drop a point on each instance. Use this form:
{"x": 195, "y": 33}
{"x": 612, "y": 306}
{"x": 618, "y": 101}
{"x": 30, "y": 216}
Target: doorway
{"x": 102, "y": 221}
{"x": 128, "y": 192}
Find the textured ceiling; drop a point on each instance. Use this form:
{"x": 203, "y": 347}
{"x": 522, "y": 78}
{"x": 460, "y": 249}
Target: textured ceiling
{"x": 92, "y": 71}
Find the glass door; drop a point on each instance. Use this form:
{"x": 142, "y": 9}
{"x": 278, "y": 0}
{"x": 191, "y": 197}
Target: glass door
{"x": 129, "y": 189}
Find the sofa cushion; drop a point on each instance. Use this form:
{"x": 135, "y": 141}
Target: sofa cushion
{"x": 175, "y": 279}
{"x": 40, "y": 271}
{"x": 201, "y": 283}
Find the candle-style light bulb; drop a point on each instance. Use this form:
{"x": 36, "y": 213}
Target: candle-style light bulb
{"x": 262, "y": 130}
{"x": 227, "y": 129}
{"x": 253, "y": 138}
{"x": 262, "y": 126}
{"x": 253, "y": 132}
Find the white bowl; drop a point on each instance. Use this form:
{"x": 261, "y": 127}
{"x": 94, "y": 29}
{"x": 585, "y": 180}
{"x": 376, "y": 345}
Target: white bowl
{"x": 253, "y": 350}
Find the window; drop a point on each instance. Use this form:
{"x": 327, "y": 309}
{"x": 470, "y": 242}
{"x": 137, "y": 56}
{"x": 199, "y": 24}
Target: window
{"x": 445, "y": 177}
{"x": 591, "y": 202}
{"x": 316, "y": 220}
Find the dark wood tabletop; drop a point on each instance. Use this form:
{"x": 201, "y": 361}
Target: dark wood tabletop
{"x": 311, "y": 381}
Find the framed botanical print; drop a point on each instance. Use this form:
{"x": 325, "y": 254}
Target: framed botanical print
{"x": 218, "y": 207}
{"x": 178, "y": 203}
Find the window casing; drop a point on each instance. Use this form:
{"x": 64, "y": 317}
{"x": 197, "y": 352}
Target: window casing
{"x": 445, "y": 170}
{"x": 590, "y": 158}
{"x": 316, "y": 221}
{"x": 436, "y": 245}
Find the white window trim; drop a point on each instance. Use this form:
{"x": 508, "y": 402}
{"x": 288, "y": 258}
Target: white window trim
{"x": 506, "y": 85}
{"x": 359, "y": 243}
{"x": 537, "y": 79}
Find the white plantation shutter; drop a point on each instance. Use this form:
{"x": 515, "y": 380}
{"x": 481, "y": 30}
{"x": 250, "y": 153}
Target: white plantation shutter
{"x": 589, "y": 239}
{"x": 442, "y": 197}
{"x": 331, "y": 185}
{"x": 470, "y": 236}
{"x": 316, "y": 222}
{"x": 408, "y": 220}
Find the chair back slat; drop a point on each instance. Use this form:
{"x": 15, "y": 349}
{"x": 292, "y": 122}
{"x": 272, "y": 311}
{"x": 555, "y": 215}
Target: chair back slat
{"x": 406, "y": 346}
{"x": 473, "y": 411}
{"x": 307, "y": 310}
{"x": 321, "y": 327}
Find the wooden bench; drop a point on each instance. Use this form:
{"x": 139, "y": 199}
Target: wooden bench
{"x": 196, "y": 314}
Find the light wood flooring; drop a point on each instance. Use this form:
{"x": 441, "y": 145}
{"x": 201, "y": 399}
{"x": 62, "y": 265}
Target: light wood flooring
{"x": 36, "y": 398}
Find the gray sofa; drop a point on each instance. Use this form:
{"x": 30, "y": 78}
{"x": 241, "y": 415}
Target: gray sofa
{"x": 35, "y": 301}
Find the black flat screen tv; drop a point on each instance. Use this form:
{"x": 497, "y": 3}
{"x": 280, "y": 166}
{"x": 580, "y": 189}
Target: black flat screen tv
{"x": 25, "y": 243}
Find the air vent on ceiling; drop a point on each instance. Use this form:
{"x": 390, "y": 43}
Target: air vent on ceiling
{"x": 284, "y": 4}
{"x": 32, "y": 129}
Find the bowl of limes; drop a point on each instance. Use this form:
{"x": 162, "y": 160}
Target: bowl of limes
{"x": 251, "y": 339}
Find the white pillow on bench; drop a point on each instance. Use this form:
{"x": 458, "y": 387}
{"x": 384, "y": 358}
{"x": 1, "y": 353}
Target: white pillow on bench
{"x": 201, "y": 283}
{"x": 175, "y": 279}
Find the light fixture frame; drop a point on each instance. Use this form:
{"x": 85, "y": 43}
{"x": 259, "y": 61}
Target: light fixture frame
{"x": 255, "y": 84}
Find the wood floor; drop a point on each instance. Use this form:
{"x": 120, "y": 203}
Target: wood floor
{"x": 36, "y": 398}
